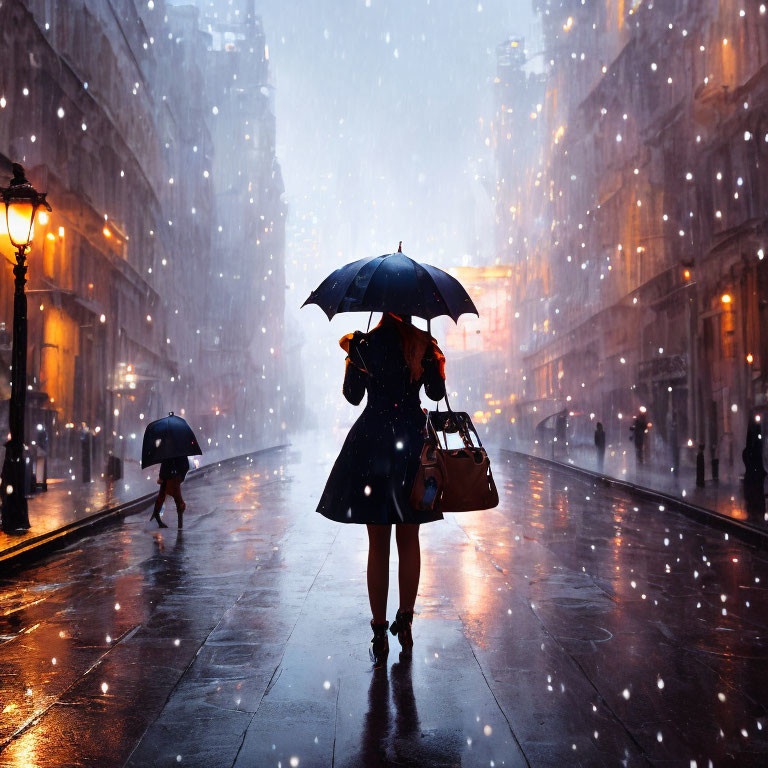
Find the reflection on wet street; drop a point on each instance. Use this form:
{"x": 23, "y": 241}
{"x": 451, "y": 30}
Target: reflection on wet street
{"x": 572, "y": 626}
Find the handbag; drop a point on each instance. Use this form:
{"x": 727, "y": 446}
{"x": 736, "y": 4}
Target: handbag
{"x": 452, "y": 479}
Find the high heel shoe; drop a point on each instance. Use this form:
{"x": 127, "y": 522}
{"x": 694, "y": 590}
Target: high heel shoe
{"x": 156, "y": 516}
{"x": 401, "y": 627}
{"x": 379, "y": 649}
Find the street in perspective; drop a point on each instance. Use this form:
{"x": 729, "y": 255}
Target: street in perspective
{"x": 382, "y": 384}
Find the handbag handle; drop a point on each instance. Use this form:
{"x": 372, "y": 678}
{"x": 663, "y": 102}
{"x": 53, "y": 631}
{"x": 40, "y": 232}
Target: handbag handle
{"x": 463, "y": 432}
{"x": 463, "y": 428}
{"x": 447, "y": 402}
{"x": 430, "y": 434}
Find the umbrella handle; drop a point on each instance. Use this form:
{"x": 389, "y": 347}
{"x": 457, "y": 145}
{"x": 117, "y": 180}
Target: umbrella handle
{"x": 362, "y": 360}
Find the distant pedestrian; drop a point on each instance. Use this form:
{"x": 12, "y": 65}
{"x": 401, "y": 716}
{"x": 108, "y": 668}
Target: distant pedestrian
{"x": 637, "y": 435}
{"x": 700, "y": 467}
{"x": 754, "y": 471}
{"x": 600, "y": 446}
{"x": 170, "y": 477}
{"x": 674, "y": 447}
{"x": 752, "y": 455}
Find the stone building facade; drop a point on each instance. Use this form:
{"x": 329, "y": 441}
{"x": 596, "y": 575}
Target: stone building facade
{"x": 648, "y": 207}
{"x": 245, "y": 314}
{"x": 111, "y": 109}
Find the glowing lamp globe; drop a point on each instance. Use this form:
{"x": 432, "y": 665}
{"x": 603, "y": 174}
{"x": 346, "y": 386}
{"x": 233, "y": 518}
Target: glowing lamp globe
{"x": 5, "y": 241}
{"x": 20, "y": 218}
{"x": 20, "y": 201}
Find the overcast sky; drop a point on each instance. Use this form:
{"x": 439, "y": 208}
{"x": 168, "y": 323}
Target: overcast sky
{"x": 383, "y": 109}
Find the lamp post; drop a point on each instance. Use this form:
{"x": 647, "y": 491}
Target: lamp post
{"x": 19, "y": 202}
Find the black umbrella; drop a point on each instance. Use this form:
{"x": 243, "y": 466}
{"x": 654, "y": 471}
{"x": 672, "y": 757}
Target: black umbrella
{"x": 168, "y": 438}
{"x": 392, "y": 283}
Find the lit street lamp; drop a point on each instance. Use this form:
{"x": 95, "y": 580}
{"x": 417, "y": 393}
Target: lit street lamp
{"x": 18, "y": 206}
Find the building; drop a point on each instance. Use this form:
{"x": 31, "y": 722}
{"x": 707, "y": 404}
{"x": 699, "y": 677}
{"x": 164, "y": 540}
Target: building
{"x": 520, "y": 224}
{"x": 110, "y": 108}
{"x": 244, "y": 317}
{"x": 655, "y": 125}
{"x": 478, "y": 349}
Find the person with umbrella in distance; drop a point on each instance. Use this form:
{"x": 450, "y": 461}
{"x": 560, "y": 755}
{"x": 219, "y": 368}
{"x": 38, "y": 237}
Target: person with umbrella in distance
{"x": 371, "y": 480}
{"x": 168, "y": 442}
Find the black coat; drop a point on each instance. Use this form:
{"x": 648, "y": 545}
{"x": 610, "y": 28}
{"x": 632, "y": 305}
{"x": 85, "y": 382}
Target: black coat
{"x": 177, "y": 467}
{"x": 372, "y": 478}
{"x": 600, "y": 440}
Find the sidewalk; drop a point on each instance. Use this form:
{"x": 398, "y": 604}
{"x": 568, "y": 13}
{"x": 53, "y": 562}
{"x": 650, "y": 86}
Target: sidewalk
{"x": 71, "y": 505}
{"x": 724, "y": 499}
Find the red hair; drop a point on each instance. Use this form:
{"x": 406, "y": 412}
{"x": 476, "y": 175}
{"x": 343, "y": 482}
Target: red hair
{"x": 416, "y": 344}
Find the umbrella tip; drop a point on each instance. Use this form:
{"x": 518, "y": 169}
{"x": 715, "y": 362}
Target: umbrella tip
{"x": 400, "y": 247}
{"x": 170, "y": 413}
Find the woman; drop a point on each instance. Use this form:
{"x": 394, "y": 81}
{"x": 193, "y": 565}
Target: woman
{"x": 170, "y": 477}
{"x": 371, "y": 481}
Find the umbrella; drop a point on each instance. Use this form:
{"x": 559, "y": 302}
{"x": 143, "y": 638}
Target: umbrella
{"x": 392, "y": 283}
{"x": 168, "y": 438}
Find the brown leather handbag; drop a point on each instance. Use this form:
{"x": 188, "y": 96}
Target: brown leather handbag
{"x": 453, "y": 479}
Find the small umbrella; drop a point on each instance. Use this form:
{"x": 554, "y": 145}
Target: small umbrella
{"x": 168, "y": 438}
{"x": 392, "y": 283}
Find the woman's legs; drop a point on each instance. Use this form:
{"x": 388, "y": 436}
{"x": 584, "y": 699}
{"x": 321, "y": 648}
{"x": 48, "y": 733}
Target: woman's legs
{"x": 160, "y": 497}
{"x": 175, "y": 494}
{"x": 409, "y": 571}
{"x": 409, "y": 555}
{"x": 159, "y": 504}
{"x": 378, "y": 570}
{"x": 174, "y": 491}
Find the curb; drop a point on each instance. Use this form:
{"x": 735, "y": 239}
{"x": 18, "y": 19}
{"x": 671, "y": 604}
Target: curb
{"x": 747, "y": 532}
{"x": 31, "y": 549}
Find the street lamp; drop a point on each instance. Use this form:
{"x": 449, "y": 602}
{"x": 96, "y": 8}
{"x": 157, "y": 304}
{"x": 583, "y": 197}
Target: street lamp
{"x": 19, "y": 202}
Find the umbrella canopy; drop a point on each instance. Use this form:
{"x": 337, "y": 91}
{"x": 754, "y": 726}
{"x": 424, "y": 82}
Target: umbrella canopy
{"x": 392, "y": 283}
{"x": 168, "y": 438}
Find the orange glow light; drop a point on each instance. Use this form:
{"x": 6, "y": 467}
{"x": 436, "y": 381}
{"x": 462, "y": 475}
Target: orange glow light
{"x": 726, "y": 298}
{"x": 107, "y": 232}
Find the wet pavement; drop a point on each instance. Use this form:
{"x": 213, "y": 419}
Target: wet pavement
{"x": 69, "y": 502}
{"x": 727, "y": 496}
{"x": 571, "y": 626}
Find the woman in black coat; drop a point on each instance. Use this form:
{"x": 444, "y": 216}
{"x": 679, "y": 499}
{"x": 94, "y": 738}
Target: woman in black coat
{"x": 371, "y": 481}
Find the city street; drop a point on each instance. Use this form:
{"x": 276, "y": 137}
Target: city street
{"x": 571, "y": 626}
{"x": 227, "y": 224}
